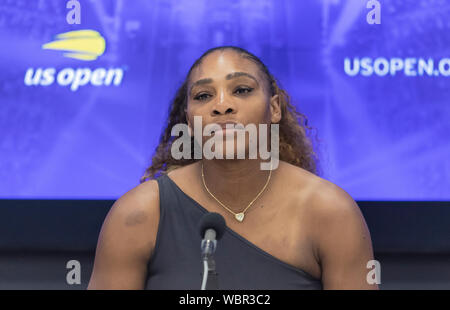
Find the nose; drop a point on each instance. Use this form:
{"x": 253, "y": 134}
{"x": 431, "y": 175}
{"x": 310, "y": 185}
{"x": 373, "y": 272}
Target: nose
{"x": 219, "y": 111}
{"x": 223, "y": 105}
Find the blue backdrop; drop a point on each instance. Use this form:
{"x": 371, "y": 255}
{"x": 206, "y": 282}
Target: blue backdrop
{"x": 72, "y": 128}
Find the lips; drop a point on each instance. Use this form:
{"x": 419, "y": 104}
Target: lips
{"x": 231, "y": 124}
{"x": 224, "y": 125}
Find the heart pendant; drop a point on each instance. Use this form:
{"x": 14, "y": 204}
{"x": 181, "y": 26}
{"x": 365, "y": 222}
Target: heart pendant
{"x": 239, "y": 216}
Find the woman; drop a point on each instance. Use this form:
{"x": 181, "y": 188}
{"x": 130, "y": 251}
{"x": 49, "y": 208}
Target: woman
{"x": 287, "y": 228}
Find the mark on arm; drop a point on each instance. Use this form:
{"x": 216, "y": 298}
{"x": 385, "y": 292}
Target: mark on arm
{"x": 136, "y": 217}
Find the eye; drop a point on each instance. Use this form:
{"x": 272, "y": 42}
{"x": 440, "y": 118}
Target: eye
{"x": 244, "y": 90}
{"x": 201, "y": 97}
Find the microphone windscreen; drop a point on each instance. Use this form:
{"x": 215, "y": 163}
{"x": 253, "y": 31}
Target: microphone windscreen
{"x": 215, "y": 221}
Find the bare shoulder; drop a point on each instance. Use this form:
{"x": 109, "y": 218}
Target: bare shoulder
{"x": 139, "y": 204}
{"x": 135, "y": 217}
{"x": 325, "y": 207}
{"x": 331, "y": 204}
{"x": 322, "y": 198}
{"x": 127, "y": 239}
{"x": 335, "y": 225}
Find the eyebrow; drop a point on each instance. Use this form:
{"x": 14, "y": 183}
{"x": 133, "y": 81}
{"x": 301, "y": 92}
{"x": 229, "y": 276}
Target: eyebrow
{"x": 229, "y": 76}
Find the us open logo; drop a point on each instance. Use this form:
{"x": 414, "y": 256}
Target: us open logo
{"x": 82, "y": 45}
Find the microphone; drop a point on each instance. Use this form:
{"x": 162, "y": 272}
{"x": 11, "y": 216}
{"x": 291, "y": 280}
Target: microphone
{"x": 212, "y": 228}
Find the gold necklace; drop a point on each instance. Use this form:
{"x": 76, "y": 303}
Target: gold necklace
{"x": 238, "y": 216}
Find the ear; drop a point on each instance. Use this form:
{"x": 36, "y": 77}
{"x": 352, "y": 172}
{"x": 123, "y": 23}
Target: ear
{"x": 275, "y": 109}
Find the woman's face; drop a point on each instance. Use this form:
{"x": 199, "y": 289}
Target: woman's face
{"x": 227, "y": 87}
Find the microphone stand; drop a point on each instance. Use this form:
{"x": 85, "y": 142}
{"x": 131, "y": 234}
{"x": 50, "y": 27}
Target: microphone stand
{"x": 212, "y": 282}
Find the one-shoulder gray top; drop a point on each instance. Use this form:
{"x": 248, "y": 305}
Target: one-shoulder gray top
{"x": 176, "y": 260}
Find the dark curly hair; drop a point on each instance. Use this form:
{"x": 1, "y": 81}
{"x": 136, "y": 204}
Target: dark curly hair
{"x": 294, "y": 146}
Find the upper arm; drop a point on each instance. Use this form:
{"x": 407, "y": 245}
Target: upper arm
{"x": 343, "y": 241}
{"x": 126, "y": 240}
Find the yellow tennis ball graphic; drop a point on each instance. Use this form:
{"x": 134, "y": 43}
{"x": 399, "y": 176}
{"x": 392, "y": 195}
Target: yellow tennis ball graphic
{"x": 81, "y": 44}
